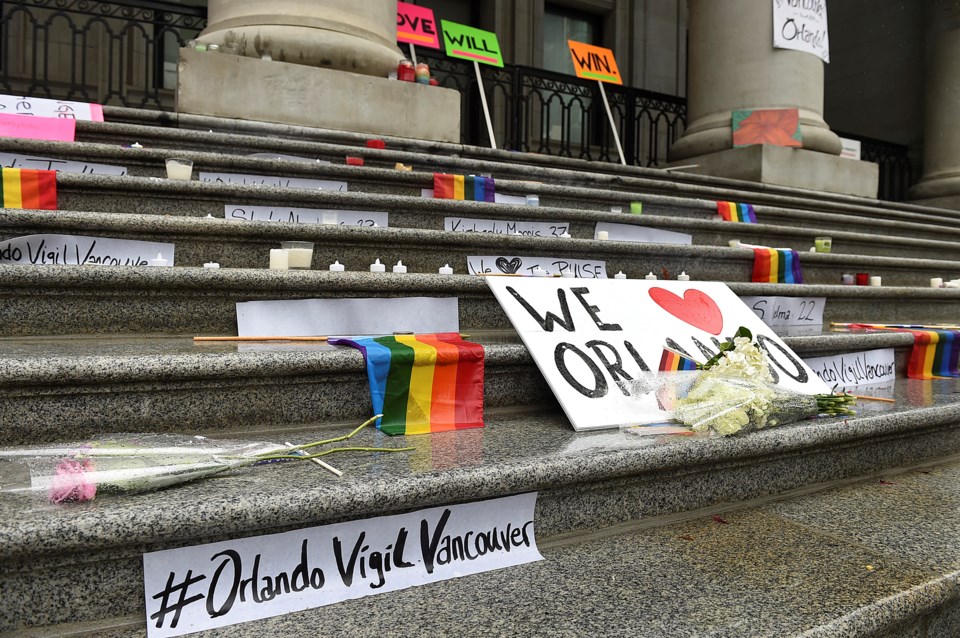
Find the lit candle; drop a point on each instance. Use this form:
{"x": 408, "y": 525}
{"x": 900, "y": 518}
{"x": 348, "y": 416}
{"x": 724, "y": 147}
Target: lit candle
{"x": 823, "y": 244}
{"x": 620, "y": 275}
{"x": 603, "y": 235}
{"x": 539, "y": 272}
{"x": 683, "y": 276}
{"x": 377, "y": 267}
{"x": 847, "y": 279}
{"x": 354, "y": 161}
{"x": 179, "y": 168}
{"x": 446, "y": 270}
{"x": 650, "y": 276}
{"x": 279, "y": 259}
{"x": 299, "y": 253}
{"x": 400, "y": 268}
{"x": 636, "y": 208}
{"x": 565, "y": 236}
{"x": 533, "y": 200}
{"x": 159, "y": 261}
{"x": 336, "y": 266}
{"x": 616, "y": 209}
{"x": 568, "y": 273}
{"x": 875, "y": 281}
{"x": 734, "y": 243}
{"x": 936, "y": 282}
{"x": 211, "y": 264}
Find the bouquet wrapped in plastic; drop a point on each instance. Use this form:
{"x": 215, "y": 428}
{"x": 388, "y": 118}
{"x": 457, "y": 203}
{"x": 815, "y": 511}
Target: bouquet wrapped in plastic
{"x": 133, "y": 463}
{"x": 735, "y": 392}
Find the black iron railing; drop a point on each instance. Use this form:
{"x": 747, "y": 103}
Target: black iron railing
{"x": 125, "y": 53}
{"x": 121, "y": 52}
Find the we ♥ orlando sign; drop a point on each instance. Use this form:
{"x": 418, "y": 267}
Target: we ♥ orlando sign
{"x": 599, "y": 342}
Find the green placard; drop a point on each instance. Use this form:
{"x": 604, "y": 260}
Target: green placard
{"x": 469, "y": 43}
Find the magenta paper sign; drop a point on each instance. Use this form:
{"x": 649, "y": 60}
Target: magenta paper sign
{"x": 38, "y": 128}
{"x": 416, "y": 25}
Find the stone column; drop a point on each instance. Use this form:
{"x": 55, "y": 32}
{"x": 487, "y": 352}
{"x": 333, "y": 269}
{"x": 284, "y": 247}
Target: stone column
{"x": 347, "y": 35}
{"x": 940, "y": 184}
{"x": 733, "y": 66}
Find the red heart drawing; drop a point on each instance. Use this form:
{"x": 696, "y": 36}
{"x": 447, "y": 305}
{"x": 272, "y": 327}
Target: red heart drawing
{"x": 695, "y": 308}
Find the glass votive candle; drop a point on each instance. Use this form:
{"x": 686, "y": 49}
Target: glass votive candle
{"x": 279, "y": 259}
{"x": 823, "y": 244}
{"x": 863, "y": 279}
{"x": 847, "y": 279}
{"x": 179, "y": 168}
{"x": 299, "y": 254}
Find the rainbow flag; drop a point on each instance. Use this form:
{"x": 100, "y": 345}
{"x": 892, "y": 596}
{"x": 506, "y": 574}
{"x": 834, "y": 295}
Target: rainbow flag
{"x": 468, "y": 187}
{"x": 28, "y": 188}
{"x": 734, "y": 212}
{"x": 672, "y": 362}
{"x": 423, "y": 383}
{"x": 777, "y": 265}
{"x": 935, "y": 352}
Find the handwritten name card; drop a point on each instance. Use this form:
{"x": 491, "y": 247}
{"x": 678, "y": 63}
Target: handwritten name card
{"x": 60, "y": 250}
{"x": 272, "y": 180}
{"x": 305, "y": 215}
{"x": 501, "y": 227}
{"x": 514, "y": 265}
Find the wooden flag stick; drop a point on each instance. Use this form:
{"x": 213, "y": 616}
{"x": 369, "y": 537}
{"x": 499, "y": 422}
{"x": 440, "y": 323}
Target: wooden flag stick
{"x": 486, "y": 109}
{"x": 613, "y": 127}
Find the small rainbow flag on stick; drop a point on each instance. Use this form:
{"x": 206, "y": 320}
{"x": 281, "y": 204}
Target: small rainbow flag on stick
{"x": 670, "y": 361}
{"x": 28, "y": 188}
{"x": 468, "y": 187}
{"x": 935, "y": 352}
{"x": 423, "y": 383}
{"x": 776, "y": 265}
{"x": 734, "y": 212}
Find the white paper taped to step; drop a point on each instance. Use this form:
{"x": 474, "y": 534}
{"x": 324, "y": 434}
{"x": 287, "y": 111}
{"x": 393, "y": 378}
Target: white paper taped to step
{"x": 856, "y": 368}
{"x": 242, "y": 179}
{"x": 630, "y": 232}
{"x": 13, "y": 160}
{"x": 515, "y": 265}
{"x": 60, "y": 250}
{"x": 366, "y": 218}
{"x": 505, "y": 227}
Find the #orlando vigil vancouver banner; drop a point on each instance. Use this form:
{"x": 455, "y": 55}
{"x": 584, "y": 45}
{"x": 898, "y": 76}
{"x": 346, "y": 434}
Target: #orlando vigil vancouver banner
{"x": 599, "y": 342}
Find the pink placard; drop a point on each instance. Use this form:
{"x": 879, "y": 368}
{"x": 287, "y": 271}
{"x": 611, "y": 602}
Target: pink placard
{"x": 96, "y": 112}
{"x": 416, "y": 25}
{"x": 38, "y": 128}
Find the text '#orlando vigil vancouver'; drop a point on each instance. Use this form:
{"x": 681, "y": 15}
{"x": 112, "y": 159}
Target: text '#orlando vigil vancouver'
{"x": 235, "y": 581}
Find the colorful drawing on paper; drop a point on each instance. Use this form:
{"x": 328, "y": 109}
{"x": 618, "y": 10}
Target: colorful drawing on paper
{"x": 594, "y": 63}
{"x": 469, "y": 43}
{"x": 416, "y": 25}
{"x": 778, "y": 127}
{"x": 423, "y": 383}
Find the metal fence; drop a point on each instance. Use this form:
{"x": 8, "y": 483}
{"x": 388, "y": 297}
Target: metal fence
{"x": 125, "y": 52}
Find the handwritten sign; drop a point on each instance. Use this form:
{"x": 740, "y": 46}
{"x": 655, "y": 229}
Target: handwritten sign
{"x": 850, "y": 149}
{"x": 305, "y": 215}
{"x": 272, "y": 180}
{"x": 856, "y": 369}
{"x": 292, "y": 158}
{"x": 788, "y": 311}
{"x": 513, "y": 265}
{"x": 11, "y": 160}
{"x": 195, "y": 588}
{"x": 323, "y": 317}
{"x": 416, "y": 25}
{"x": 43, "y": 107}
{"x": 500, "y": 227}
{"x": 60, "y": 250}
{"x": 599, "y": 343}
{"x": 629, "y": 232}
{"x": 470, "y": 43}
{"x": 594, "y": 63}
{"x": 37, "y": 128}
{"x": 801, "y": 25}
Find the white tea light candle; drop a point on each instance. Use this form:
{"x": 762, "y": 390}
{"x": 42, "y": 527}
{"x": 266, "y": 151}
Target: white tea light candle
{"x": 446, "y": 270}
{"x": 603, "y": 235}
{"x": 734, "y": 243}
{"x": 533, "y": 200}
{"x": 279, "y": 259}
{"x": 650, "y": 276}
{"x": 211, "y": 264}
{"x": 539, "y": 272}
{"x": 875, "y": 280}
{"x": 159, "y": 261}
{"x": 377, "y": 266}
{"x": 336, "y": 266}
{"x": 620, "y": 275}
{"x": 400, "y": 268}
{"x": 683, "y": 276}
{"x": 936, "y": 282}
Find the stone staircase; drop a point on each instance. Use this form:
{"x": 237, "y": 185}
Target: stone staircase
{"x": 824, "y": 528}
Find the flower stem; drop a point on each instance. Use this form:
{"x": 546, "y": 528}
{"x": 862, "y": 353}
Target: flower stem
{"x": 333, "y": 450}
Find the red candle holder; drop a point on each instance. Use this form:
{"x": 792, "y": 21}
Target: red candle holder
{"x": 863, "y": 279}
{"x": 354, "y": 161}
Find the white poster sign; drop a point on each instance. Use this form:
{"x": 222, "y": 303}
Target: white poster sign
{"x": 191, "y": 589}
{"x": 629, "y": 232}
{"x": 856, "y": 368}
{"x": 788, "y": 311}
{"x": 59, "y": 250}
{"x": 325, "y": 317}
{"x": 272, "y": 180}
{"x": 292, "y": 158}
{"x": 850, "y": 149}
{"x": 597, "y": 342}
{"x": 514, "y": 265}
{"x": 12, "y": 160}
{"x": 242, "y": 212}
{"x": 801, "y": 25}
{"x": 42, "y": 107}
{"x": 503, "y": 227}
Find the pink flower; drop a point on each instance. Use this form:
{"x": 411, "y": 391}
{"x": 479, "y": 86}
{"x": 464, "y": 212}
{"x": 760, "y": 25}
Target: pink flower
{"x": 71, "y": 483}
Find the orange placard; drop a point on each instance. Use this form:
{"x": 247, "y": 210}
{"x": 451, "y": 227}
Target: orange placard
{"x": 594, "y": 63}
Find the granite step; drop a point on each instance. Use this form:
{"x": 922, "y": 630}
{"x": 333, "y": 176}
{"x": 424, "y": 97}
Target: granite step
{"x": 75, "y": 387}
{"x": 616, "y": 512}
{"x": 246, "y": 245}
{"x": 104, "y": 300}
{"x": 526, "y": 165}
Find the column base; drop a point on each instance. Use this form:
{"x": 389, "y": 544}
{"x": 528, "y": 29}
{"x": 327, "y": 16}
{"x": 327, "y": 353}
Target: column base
{"x": 782, "y": 166}
{"x": 939, "y": 191}
{"x": 252, "y": 89}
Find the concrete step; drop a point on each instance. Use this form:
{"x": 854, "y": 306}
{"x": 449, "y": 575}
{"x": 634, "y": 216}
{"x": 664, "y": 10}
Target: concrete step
{"x": 773, "y": 569}
{"x": 57, "y": 388}
{"x": 101, "y": 300}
